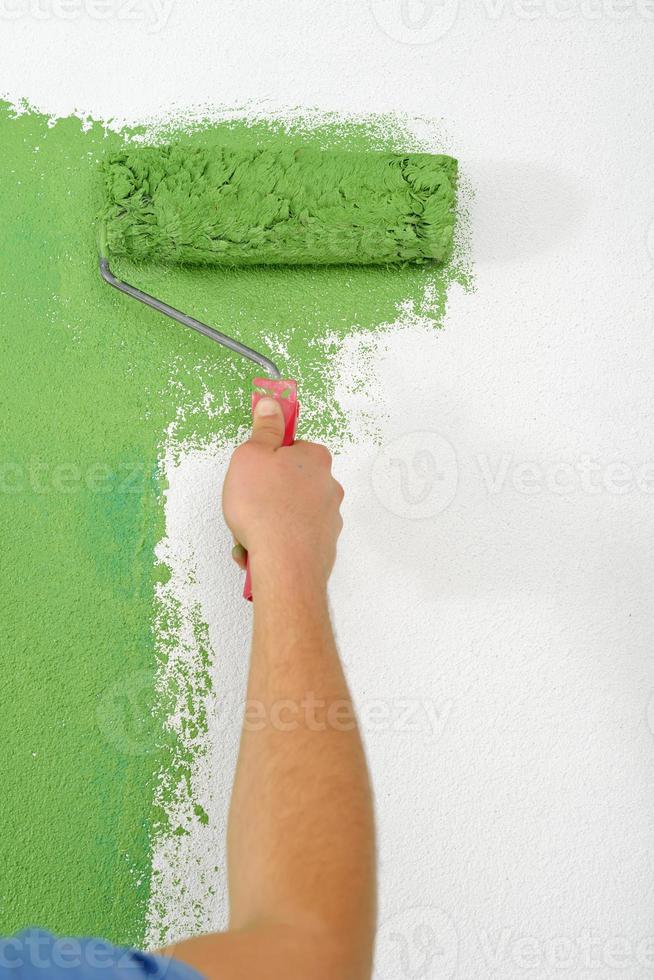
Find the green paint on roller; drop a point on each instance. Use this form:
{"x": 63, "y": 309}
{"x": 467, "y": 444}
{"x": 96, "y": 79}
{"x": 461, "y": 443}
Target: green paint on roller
{"x": 228, "y": 206}
{"x": 90, "y": 385}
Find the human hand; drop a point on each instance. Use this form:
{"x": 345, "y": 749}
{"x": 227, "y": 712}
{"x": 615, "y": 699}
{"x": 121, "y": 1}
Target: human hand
{"x": 282, "y": 501}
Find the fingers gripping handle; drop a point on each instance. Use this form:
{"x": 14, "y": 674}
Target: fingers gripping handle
{"x": 285, "y": 392}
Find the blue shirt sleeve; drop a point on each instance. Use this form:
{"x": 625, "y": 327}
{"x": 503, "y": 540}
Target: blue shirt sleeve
{"x": 38, "y": 955}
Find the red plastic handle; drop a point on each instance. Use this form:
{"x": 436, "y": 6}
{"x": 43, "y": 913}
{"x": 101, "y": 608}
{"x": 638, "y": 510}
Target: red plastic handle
{"x": 286, "y": 394}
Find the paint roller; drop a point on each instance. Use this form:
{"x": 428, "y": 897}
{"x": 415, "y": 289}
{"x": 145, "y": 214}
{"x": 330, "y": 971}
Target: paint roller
{"x": 231, "y": 207}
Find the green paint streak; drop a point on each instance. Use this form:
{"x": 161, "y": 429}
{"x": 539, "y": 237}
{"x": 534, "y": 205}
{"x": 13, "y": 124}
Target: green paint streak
{"x": 89, "y": 383}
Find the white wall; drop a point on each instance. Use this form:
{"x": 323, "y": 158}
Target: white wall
{"x": 510, "y": 611}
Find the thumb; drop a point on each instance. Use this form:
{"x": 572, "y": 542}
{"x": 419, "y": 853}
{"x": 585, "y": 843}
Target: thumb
{"x": 268, "y": 425}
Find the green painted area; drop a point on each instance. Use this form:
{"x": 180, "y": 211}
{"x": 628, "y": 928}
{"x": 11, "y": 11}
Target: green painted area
{"x": 89, "y": 384}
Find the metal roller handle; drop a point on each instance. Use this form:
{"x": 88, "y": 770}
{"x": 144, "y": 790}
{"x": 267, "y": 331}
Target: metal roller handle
{"x": 268, "y": 366}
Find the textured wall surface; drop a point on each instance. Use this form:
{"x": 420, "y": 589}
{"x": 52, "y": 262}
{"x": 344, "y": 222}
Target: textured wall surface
{"x": 493, "y": 596}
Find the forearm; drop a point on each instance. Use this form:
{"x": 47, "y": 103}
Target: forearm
{"x": 301, "y": 836}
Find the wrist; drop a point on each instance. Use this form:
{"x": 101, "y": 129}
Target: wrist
{"x": 286, "y": 569}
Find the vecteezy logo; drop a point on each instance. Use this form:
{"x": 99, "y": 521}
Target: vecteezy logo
{"x": 417, "y": 944}
{"x": 416, "y": 475}
{"x": 415, "y": 21}
{"x": 125, "y": 714}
